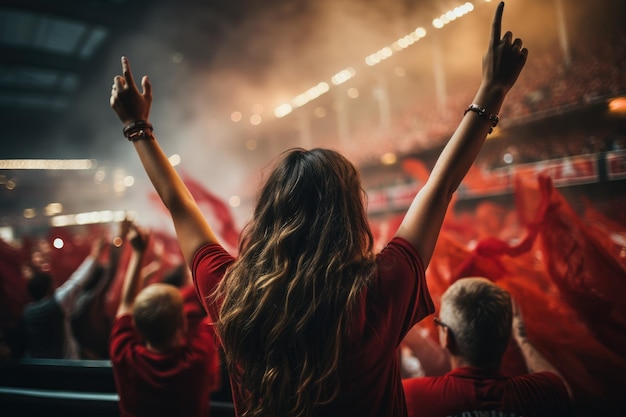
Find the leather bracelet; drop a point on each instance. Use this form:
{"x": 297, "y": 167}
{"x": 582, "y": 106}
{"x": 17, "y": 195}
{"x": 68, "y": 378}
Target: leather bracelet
{"x": 139, "y": 129}
{"x": 140, "y": 134}
{"x": 482, "y": 112}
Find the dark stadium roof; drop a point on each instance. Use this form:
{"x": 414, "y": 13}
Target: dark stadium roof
{"x": 49, "y": 51}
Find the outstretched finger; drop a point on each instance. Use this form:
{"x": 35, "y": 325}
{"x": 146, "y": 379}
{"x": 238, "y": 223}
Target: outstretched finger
{"x": 497, "y": 25}
{"x": 147, "y": 87}
{"x": 128, "y": 75}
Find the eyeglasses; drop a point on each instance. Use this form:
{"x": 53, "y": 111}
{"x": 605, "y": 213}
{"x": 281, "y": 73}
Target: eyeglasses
{"x": 440, "y": 323}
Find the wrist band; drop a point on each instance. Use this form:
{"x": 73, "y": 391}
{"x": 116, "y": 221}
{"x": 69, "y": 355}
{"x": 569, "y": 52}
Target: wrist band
{"x": 139, "y": 129}
{"x": 482, "y": 112}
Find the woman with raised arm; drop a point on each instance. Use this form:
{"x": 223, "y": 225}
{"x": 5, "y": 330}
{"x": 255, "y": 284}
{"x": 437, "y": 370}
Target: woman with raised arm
{"x": 309, "y": 318}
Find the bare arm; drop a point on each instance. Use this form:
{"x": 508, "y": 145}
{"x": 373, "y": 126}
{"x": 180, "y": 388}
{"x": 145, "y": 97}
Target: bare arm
{"x": 535, "y": 361}
{"x": 148, "y": 271}
{"x": 502, "y": 65}
{"x": 131, "y": 106}
{"x": 114, "y": 254}
{"x": 132, "y": 279}
{"x": 67, "y": 294}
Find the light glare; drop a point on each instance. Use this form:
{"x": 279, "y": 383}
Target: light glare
{"x": 174, "y": 159}
{"x": 53, "y": 209}
{"x": 283, "y": 110}
{"x": 234, "y": 201}
{"x": 52, "y": 164}
{"x": 235, "y": 116}
{"x": 29, "y": 213}
{"x": 388, "y": 158}
{"x": 104, "y": 216}
{"x": 618, "y": 105}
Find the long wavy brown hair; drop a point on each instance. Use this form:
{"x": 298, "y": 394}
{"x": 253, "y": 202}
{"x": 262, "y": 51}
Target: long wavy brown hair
{"x": 289, "y": 300}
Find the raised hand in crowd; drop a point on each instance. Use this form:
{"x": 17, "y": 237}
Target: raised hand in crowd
{"x": 502, "y": 64}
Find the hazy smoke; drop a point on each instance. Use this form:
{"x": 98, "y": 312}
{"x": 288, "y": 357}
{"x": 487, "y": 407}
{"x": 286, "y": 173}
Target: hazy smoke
{"x": 209, "y": 59}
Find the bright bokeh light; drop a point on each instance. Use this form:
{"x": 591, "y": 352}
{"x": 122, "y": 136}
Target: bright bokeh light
{"x": 283, "y": 110}
{"x": 62, "y": 221}
{"x": 234, "y": 201}
{"x": 53, "y": 164}
{"x": 452, "y": 15}
{"x": 373, "y": 59}
{"x": 53, "y": 209}
{"x": 255, "y": 119}
{"x": 300, "y": 100}
{"x": 343, "y": 76}
{"x": 87, "y": 218}
{"x": 6, "y": 234}
{"x": 320, "y": 112}
{"x": 119, "y": 188}
{"x": 353, "y": 92}
{"x": 174, "y": 159}
{"x": 29, "y": 213}
{"x": 236, "y": 116}
{"x": 58, "y": 243}
{"x": 129, "y": 181}
{"x": 105, "y": 216}
{"x": 400, "y": 44}
{"x": 310, "y": 94}
{"x": 99, "y": 176}
{"x": 618, "y": 105}
{"x": 388, "y": 158}
{"x": 379, "y": 56}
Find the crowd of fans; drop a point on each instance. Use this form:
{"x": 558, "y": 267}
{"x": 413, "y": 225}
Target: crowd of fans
{"x": 308, "y": 309}
{"x": 461, "y": 241}
{"x": 497, "y": 154}
{"x": 73, "y": 290}
{"x": 550, "y": 85}
{"x": 112, "y": 293}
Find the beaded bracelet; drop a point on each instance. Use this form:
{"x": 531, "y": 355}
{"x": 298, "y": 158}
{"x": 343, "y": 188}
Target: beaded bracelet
{"x": 139, "y": 129}
{"x": 482, "y": 112}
